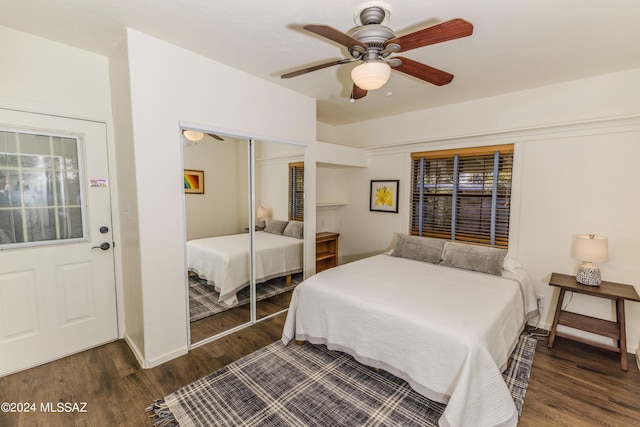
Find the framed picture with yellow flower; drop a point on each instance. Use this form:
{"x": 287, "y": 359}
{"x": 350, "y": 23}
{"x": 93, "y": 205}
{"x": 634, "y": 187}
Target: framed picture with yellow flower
{"x": 384, "y": 195}
{"x": 193, "y": 181}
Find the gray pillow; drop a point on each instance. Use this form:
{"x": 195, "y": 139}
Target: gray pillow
{"x": 294, "y": 229}
{"x": 474, "y": 258}
{"x": 276, "y": 226}
{"x": 419, "y": 248}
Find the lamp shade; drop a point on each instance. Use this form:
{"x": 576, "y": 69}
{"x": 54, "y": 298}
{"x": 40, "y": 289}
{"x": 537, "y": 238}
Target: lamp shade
{"x": 262, "y": 212}
{"x": 371, "y": 75}
{"x": 193, "y": 135}
{"x": 591, "y": 248}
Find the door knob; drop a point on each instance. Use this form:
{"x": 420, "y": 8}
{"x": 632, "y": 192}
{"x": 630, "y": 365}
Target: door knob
{"x": 104, "y": 246}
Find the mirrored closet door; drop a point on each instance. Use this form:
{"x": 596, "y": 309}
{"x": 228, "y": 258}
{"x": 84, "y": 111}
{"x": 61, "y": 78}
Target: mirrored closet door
{"x": 244, "y": 255}
{"x": 216, "y": 181}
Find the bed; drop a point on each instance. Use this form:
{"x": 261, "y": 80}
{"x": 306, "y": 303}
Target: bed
{"x": 224, "y": 261}
{"x": 447, "y": 331}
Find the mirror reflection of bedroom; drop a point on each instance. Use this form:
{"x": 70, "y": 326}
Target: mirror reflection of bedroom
{"x": 219, "y": 212}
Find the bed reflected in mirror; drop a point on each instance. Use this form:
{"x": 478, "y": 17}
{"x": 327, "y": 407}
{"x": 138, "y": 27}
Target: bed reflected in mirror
{"x": 219, "y": 212}
{"x": 217, "y": 216}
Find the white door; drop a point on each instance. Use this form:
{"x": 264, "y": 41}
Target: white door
{"x": 57, "y": 285}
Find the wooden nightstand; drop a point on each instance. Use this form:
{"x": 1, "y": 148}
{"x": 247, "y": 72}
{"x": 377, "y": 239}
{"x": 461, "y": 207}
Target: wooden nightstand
{"x": 326, "y": 250}
{"x": 614, "y": 291}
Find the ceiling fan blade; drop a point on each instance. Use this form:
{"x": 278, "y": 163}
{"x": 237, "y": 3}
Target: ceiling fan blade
{"x": 357, "y": 93}
{"x": 449, "y": 30}
{"x": 423, "y": 72}
{"x": 314, "y": 68}
{"x": 335, "y": 35}
{"x": 214, "y": 136}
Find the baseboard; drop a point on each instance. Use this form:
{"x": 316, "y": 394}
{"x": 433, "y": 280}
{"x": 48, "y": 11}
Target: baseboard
{"x": 135, "y": 350}
{"x": 638, "y": 358}
{"x": 538, "y": 323}
{"x": 157, "y": 361}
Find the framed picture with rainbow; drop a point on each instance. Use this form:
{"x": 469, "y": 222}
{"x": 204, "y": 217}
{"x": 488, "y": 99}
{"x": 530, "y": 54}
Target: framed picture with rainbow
{"x": 193, "y": 181}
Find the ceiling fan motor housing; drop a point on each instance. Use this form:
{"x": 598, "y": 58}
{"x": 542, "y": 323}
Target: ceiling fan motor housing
{"x": 372, "y": 34}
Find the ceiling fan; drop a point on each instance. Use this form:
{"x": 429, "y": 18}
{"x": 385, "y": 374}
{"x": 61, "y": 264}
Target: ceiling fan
{"x": 372, "y": 43}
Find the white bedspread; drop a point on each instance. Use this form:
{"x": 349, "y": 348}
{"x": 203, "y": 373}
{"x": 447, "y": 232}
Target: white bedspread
{"x": 224, "y": 260}
{"x": 446, "y": 331}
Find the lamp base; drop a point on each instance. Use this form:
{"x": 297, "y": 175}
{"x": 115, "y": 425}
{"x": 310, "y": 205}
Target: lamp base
{"x": 589, "y": 276}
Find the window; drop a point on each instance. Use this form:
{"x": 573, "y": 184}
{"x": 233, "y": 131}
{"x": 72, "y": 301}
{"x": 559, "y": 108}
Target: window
{"x": 40, "y": 188}
{"x": 462, "y": 195}
{"x": 296, "y": 191}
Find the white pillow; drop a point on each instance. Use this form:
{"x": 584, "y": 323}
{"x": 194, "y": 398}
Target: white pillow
{"x": 511, "y": 264}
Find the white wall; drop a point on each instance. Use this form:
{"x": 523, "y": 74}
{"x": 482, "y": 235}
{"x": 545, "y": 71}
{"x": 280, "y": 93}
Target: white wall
{"x": 164, "y": 82}
{"x": 576, "y": 148}
{"x": 272, "y": 176}
{"x": 331, "y": 196}
{"x": 363, "y": 232}
{"x": 223, "y": 208}
{"x": 582, "y": 185}
{"x": 129, "y": 242}
{"x": 334, "y": 165}
{"x": 44, "y": 76}
{"x": 272, "y": 181}
{"x": 609, "y": 95}
{"x": 325, "y": 132}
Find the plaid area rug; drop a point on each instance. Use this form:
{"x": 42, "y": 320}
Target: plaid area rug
{"x": 310, "y": 385}
{"x": 203, "y": 298}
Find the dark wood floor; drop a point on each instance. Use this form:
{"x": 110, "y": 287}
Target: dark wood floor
{"x": 574, "y": 384}
{"x": 221, "y": 322}
{"x": 571, "y": 384}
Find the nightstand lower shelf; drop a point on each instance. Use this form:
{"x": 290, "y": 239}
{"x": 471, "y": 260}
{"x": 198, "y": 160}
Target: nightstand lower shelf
{"x": 594, "y": 325}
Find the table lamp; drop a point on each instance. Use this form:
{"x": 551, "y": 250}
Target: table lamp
{"x": 590, "y": 248}
{"x": 263, "y": 214}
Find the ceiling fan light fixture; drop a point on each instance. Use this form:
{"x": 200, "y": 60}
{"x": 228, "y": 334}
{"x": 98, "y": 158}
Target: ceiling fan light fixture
{"x": 371, "y": 75}
{"x": 193, "y": 135}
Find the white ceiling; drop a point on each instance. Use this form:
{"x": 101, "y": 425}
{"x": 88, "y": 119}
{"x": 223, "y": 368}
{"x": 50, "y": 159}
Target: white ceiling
{"x": 516, "y": 44}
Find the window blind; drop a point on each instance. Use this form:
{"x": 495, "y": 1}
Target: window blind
{"x": 463, "y": 195}
{"x": 296, "y": 191}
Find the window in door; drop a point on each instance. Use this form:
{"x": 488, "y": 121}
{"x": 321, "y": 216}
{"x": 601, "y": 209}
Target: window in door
{"x": 41, "y": 189}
